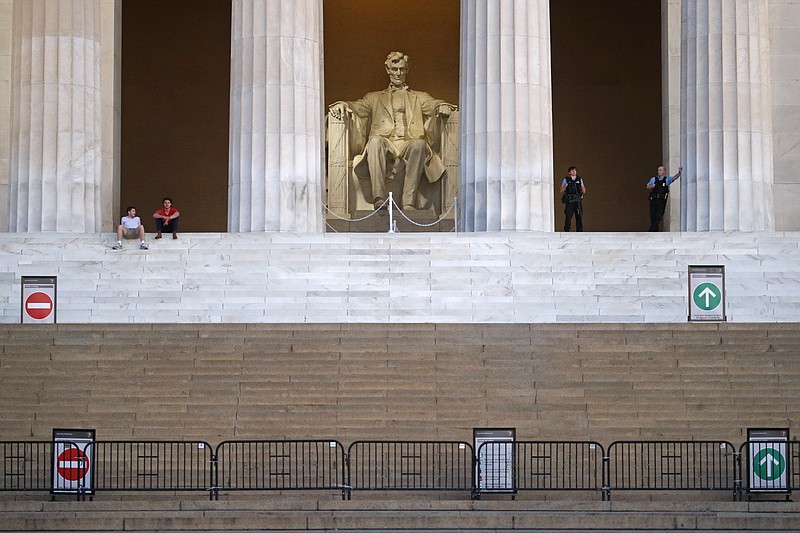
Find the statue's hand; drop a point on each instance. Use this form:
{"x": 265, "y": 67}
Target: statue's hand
{"x": 338, "y": 110}
{"x": 444, "y": 109}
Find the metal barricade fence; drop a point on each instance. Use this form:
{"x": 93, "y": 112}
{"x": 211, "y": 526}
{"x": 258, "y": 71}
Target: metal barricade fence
{"x": 397, "y": 466}
{"x": 794, "y": 463}
{"x": 672, "y": 465}
{"x": 151, "y": 466}
{"x": 769, "y": 466}
{"x": 27, "y": 465}
{"x": 281, "y": 465}
{"x": 410, "y": 465}
{"x": 541, "y": 465}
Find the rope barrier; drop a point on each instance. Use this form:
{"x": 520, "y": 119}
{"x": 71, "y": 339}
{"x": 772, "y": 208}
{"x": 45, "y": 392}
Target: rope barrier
{"x": 422, "y": 225}
{"x": 356, "y": 219}
{"x": 392, "y": 223}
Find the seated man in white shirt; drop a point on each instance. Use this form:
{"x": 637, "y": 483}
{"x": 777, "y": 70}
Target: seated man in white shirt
{"x": 130, "y": 227}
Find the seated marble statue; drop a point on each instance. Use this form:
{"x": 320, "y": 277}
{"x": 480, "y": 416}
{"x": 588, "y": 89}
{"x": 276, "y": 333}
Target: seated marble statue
{"x": 397, "y": 145}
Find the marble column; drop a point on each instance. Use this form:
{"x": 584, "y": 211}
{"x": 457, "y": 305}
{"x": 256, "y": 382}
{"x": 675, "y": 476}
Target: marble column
{"x": 55, "y": 168}
{"x": 726, "y": 121}
{"x": 671, "y": 105}
{"x": 6, "y": 29}
{"x": 276, "y": 143}
{"x": 506, "y": 116}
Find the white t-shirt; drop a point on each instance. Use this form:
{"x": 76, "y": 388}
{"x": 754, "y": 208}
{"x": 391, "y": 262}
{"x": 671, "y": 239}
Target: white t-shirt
{"x": 131, "y": 222}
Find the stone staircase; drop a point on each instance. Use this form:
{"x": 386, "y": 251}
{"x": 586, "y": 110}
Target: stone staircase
{"x": 396, "y": 515}
{"x": 397, "y": 381}
{"x": 402, "y": 278}
{"x": 600, "y": 382}
{"x": 403, "y": 336}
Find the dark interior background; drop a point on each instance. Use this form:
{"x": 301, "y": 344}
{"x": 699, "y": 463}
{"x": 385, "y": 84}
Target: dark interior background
{"x": 175, "y": 100}
{"x": 354, "y": 55}
{"x": 607, "y": 106}
{"x": 175, "y": 95}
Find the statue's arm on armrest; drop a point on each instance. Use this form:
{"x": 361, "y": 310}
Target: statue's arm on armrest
{"x": 339, "y": 110}
{"x": 444, "y": 109}
{"x": 354, "y": 125}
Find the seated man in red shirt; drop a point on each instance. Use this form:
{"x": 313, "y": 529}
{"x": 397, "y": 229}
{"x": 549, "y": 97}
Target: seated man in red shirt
{"x": 167, "y": 219}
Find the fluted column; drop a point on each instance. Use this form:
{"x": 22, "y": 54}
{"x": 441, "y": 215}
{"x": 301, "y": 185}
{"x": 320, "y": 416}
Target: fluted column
{"x": 276, "y": 146}
{"x": 506, "y": 116}
{"x": 726, "y": 120}
{"x": 55, "y": 169}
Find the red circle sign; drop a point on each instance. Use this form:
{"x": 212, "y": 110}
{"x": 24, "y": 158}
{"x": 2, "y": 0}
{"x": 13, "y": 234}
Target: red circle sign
{"x": 72, "y": 464}
{"x": 39, "y": 305}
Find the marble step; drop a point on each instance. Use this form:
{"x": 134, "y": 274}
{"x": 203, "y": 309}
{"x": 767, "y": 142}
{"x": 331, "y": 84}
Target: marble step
{"x": 286, "y": 512}
{"x": 402, "y": 278}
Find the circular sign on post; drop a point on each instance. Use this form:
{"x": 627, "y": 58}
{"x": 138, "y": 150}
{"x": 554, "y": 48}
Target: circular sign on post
{"x": 769, "y": 464}
{"x": 72, "y": 464}
{"x": 39, "y": 305}
{"x": 707, "y": 296}
{"x": 707, "y": 293}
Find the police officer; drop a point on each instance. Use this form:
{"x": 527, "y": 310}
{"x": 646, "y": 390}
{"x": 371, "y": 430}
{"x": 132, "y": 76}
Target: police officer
{"x": 659, "y": 193}
{"x": 572, "y": 191}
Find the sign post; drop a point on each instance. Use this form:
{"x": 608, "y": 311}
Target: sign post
{"x": 768, "y": 460}
{"x": 494, "y": 465}
{"x": 72, "y": 461}
{"x": 707, "y": 294}
{"x": 38, "y": 300}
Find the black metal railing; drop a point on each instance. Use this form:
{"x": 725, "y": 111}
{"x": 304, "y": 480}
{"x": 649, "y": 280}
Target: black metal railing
{"x": 794, "y": 463}
{"x": 259, "y": 465}
{"x": 410, "y": 465}
{"x": 539, "y": 465}
{"x": 671, "y": 465}
{"x": 150, "y": 466}
{"x": 26, "y": 465}
{"x": 281, "y": 465}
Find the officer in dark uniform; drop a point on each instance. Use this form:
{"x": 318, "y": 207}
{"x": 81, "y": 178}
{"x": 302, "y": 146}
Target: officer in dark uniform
{"x": 659, "y": 193}
{"x": 572, "y": 191}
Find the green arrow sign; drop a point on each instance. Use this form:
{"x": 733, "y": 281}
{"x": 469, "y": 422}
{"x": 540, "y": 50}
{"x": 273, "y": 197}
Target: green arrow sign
{"x": 769, "y": 464}
{"x": 707, "y": 296}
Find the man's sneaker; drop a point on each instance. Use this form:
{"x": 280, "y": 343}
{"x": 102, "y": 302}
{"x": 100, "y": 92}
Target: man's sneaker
{"x": 143, "y": 246}
{"x": 117, "y": 246}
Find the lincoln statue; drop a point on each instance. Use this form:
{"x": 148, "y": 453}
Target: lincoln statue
{"x": 398, "y": 145}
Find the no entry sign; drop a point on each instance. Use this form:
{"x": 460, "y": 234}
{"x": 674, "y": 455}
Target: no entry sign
{"x": 39, "y": 305}
{"x": 72, "y": 464}
{"x": 38, "y": 300}
{"x": 72, "y": 460}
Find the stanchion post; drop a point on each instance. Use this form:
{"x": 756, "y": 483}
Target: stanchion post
{"x": 455, "y": 214}
{"x": 391, "y": 214}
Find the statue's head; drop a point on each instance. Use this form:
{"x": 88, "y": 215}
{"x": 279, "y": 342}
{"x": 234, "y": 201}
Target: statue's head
{"x": 397, "y": 68}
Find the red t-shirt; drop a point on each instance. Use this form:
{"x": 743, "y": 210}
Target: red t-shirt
{"x": 165, "y": 213}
